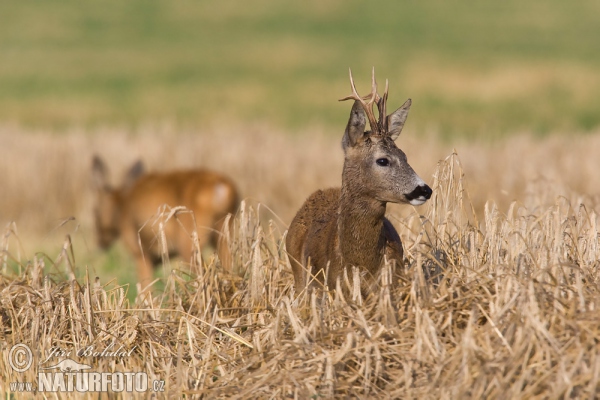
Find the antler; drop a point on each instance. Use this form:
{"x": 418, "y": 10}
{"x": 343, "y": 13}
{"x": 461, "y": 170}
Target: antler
{"x": 368, "y": 106}
{"x": 381, "y": 106}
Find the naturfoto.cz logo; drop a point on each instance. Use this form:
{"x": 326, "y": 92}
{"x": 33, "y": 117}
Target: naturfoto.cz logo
{"x": 68, "y": 375}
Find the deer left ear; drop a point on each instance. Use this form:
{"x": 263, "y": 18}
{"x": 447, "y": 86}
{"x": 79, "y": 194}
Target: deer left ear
{"x": 396, "y": 120}
{"x": 355, "y": 129}
{"x": 99, "y": 173}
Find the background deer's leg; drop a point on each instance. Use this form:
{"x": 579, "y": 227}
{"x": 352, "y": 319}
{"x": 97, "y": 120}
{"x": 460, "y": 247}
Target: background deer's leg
{"x": 187, "y": 248}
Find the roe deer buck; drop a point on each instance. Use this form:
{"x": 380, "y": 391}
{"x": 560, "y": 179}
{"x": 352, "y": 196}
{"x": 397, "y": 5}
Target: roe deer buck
{"x": 126, "y": 211}
{"x": 342, "y": 227}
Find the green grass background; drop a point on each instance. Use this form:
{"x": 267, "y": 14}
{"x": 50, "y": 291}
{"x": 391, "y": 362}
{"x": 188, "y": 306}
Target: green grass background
{"x": 471, "y": 68}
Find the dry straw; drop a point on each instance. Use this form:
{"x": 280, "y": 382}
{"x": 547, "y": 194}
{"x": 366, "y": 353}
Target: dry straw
{"x": 505, "y": 306}
{"x": 45, "y": 177}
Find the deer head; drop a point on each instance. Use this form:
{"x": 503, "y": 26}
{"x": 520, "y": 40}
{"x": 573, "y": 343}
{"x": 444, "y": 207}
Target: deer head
{"x": 107, "y": 210}
{"x": 374, "y": 166}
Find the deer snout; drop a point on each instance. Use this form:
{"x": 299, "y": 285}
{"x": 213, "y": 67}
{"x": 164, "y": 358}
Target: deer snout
{"x": 104, "y": 243}
{"x": 420, "y": 195}
{"x": 106, "y": 237}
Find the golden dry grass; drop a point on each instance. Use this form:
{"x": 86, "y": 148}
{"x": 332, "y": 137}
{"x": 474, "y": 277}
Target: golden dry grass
{"x": 45, "y": 176}
{"x": 503, "y": 306}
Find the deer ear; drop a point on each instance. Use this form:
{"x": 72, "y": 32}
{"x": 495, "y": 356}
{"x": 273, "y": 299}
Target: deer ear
{"x": 99, "y": 173}
{"x": 355, "y": 129}
{"x": 133, "y": 174}
{"x": 396, "y": 120}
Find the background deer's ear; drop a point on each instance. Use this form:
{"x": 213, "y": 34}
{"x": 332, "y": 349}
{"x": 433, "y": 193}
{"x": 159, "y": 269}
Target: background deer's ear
{"x": 396, "y": 120}
{"x": 133, "y": 174}
{"x": 355, "y": 129}
{"x": 99, "y": 173}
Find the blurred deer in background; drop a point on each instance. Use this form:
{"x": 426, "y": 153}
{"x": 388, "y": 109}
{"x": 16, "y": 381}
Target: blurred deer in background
{"x": 343, "y": 227}
{"x": 127, "y": 211}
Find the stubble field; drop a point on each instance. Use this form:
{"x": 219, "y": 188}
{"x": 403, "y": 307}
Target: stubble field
{"x": 496, "y": 298}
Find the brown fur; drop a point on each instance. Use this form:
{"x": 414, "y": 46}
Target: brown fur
{"x": 129, "y": 212}
{"x": 338, "y": 228}
{"x": 363, "y": 240}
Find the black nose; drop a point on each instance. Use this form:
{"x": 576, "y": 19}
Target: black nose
{"x": 420, "y": 191}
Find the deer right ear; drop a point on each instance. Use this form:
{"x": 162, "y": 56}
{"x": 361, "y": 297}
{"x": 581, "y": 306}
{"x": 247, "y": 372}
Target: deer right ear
{"x": 133, "y": 174}
{"x": 99, "y": 173}
{"x": 397, "y": 119}
{"x": 355, "y": 129}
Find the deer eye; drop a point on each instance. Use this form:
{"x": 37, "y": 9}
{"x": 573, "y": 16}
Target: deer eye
{"x": 384, "y": 162}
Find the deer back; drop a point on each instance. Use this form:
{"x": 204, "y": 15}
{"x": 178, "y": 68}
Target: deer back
{"x": 130, "y": 210}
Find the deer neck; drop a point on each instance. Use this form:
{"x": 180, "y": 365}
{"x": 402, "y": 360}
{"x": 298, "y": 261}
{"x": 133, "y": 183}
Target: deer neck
{"x": 360, "y": 226}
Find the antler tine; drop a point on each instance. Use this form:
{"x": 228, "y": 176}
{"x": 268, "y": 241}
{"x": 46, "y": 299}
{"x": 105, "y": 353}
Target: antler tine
{"x": 382, "y": 106}
{"x": 373, "y": 95}
{"x": 367, "y": 106}
{"x": 373, "y": 84}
